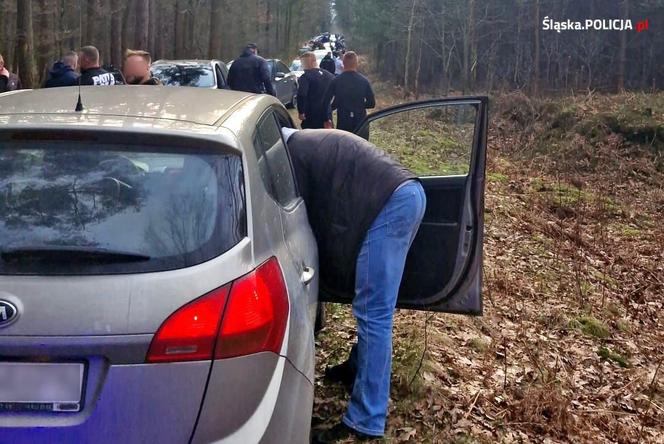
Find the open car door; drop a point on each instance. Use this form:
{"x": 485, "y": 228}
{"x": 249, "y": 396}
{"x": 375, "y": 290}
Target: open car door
{"x": 444, "y": 142}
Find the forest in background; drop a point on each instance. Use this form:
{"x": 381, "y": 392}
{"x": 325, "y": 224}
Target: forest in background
{"x": 424, "y": 46}
{"x": 33, "y": 33}
{"x": 435, "y": 46}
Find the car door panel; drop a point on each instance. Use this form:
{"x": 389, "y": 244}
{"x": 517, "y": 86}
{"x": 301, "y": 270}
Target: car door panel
{"x": 300, "y": 253}
{"x": 443, "y": 269}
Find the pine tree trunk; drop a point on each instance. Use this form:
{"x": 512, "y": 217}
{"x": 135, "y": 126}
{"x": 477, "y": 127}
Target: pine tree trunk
{"x": 142, "y": 24}
{"x": 25, "y": 45}
{"x": 46, "y": 49}
{"x": 116, "y": 32}
{"x": 622, "y": 55}
{"x": 214, "y": 49}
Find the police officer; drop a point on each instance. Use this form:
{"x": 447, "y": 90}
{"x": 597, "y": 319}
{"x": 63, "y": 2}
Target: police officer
{"x": 250, "y": 73}
{"x": 313, "y": 110}
{"x": 91, "y": 72}
{"x": 351, "y": 95}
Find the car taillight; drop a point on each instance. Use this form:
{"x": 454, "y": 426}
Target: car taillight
{"x": 190, "y": 333}
{"x": 256, "y": 314}
{"x": 254, "y": 320}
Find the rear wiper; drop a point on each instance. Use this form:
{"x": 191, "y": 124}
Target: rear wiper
{"x": 70, "y": 254}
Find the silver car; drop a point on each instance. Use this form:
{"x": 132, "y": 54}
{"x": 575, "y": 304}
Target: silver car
{"x": 212, "y": 74}
{"x": 158, "y": 275}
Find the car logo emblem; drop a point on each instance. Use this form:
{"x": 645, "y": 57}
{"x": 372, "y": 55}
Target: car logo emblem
{"x": 8, "y": 313}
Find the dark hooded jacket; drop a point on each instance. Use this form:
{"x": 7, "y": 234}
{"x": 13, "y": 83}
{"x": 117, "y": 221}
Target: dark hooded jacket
{"x": 10, "y": 83}
{"x": 250, "y": 73}
{"x": 345, "y": 182}
{"x": 61, "y": 74}
{"x": 328, "y": 64}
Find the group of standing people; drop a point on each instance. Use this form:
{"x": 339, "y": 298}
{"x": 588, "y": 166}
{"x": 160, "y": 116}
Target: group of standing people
{"x": 321, "y": 89}
{"x": 83, "y": 67}
{"x": 320, "y": 92}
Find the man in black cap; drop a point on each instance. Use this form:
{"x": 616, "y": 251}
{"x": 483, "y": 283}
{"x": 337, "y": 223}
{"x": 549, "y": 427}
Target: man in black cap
{"x": 250, "y": 73}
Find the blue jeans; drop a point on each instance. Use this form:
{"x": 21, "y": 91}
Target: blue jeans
{"x": 380, "y": 266}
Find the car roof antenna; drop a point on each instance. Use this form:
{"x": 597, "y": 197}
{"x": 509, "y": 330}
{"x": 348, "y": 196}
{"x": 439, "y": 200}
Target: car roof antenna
{"x": 79, "y": 103}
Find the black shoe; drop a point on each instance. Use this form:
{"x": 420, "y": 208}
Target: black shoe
{"x": 338, "y": 433}
{"x": 343, "y": 373}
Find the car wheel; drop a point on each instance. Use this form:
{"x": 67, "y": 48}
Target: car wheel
{"x": 320, "y": 318}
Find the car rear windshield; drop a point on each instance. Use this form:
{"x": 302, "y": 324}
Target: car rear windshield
{"x": 73, "y": 208}
{"x": 201, "y": 76}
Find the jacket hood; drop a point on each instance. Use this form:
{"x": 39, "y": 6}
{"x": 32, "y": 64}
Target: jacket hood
{"x": 59, "y": 69}
{"x": 247, "y": 52}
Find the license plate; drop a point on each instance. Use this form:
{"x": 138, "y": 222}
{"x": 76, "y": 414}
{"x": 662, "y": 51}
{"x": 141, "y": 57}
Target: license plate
{"x": 33, "y": 386}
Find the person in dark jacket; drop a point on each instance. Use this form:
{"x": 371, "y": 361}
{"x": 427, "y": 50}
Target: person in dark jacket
{"x": 136, "y": 68}
{"x": 313, "y": 111}
{"x": 364, "y": 209}
{"x": 328, "y": 63}
{"x": 91, "y": 72}
{"x": 351, "y": 95}
{"x": 8, "y": 80}
{"x": 63, "y": 72}
{"x": 250, "y": 73}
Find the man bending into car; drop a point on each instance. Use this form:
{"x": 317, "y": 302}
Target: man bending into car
{"x": 364, "y": 209}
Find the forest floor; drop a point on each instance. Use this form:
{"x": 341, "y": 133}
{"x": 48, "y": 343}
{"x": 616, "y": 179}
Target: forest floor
{"x": 571, "y": 342}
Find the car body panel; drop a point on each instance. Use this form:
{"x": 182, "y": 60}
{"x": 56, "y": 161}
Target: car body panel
{"x": 128, "y": 101}
{"x": 267, "y": 385}
{"x": 109, "y": 320}
{"x": 139, "y": 389}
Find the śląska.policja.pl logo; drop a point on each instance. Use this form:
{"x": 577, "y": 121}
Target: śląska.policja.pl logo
{"x": 549, "y": 24}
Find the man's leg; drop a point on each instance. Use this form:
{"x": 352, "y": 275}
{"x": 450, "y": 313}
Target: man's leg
{"x": 379, "y": 270}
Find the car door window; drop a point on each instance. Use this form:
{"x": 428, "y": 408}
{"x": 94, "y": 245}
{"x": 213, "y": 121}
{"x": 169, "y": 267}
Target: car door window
{"x": 281, "y": 67}
{"x": 273, "y": 161}
{"x": 436, "y": 141}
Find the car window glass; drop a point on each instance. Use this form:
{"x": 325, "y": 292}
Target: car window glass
{"x": 201, "y": 76}
{"x": 177, "y": 207}
{"x": 283, "y": 68}
{"x": 273, "y": 161}
{"x": 431, "y": 141}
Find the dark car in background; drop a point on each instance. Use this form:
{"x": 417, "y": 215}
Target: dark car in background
{"x": 211, "y": 74}
{"x": 284, "y": 81}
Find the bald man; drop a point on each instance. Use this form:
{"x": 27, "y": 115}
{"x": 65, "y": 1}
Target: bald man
{"x": 313, "y": 110}
{"x": 351, "y": 95}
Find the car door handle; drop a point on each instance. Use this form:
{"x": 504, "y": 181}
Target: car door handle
{"x": 307, "y": 275}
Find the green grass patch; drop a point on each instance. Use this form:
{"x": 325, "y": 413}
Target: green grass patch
{"x": 610, "y": 355}
{"x": 623, "y": 325}
{"x": 591, "y": 326}
{"x": 497, "y": 177}
{"x": 478, "y": 344}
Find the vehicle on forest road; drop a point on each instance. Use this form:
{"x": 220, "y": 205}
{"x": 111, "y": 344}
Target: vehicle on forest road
{"x": 212, "y": 74}
{"x": 159, "y": 279}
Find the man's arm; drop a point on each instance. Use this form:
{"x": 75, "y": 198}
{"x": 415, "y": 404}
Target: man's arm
{"x": 267, "y": 79}
{"x": 303, "y": 97}
{"x": 330, "y": 93}
{"x": 369, "y": 98}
